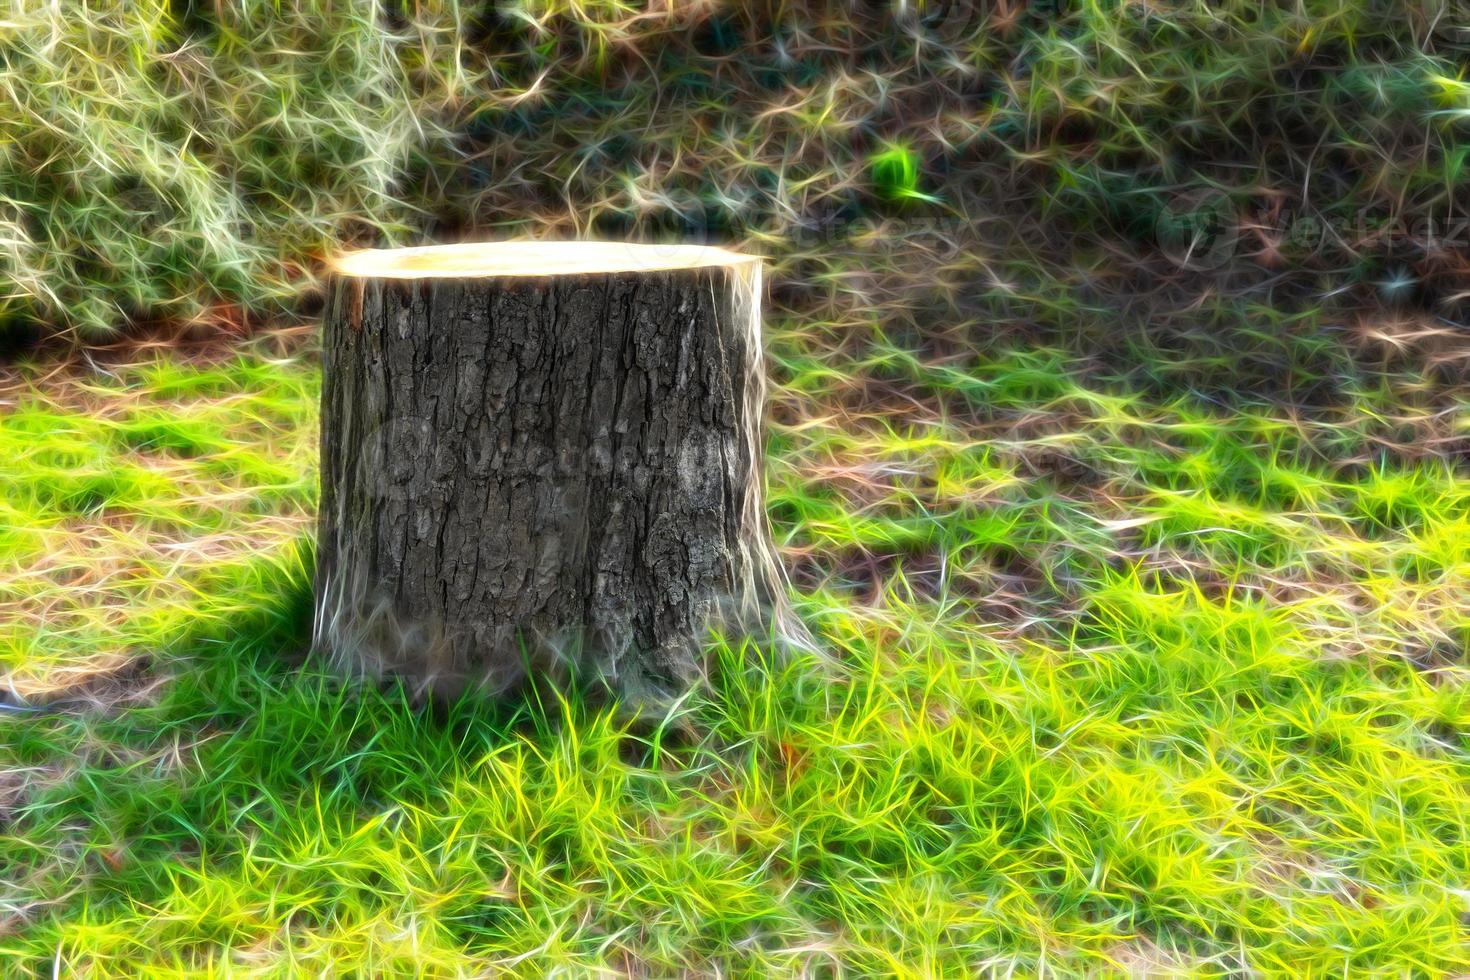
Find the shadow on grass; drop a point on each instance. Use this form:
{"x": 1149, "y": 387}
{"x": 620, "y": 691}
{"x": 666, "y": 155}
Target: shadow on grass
{"x": 248, "y": 740}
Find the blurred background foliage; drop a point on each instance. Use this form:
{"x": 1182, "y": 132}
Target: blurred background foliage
{"x": 1212, "y": 194}
{"x": 161, "y": 157}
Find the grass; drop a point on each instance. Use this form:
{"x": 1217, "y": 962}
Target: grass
{"x": 1115, "y": 683}
{"x": 177, "y": 159}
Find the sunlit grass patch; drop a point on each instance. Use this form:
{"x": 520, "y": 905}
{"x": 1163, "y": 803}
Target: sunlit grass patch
{"x": 130, "y": 495}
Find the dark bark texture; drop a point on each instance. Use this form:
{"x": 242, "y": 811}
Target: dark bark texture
{"x": 556, "y": 474}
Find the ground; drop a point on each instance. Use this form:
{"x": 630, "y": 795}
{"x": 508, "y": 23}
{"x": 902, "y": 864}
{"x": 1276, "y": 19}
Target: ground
{"x": 1107, "y": 681}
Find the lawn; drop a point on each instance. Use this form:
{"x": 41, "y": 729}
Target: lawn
{"x": 1117, "y": 457}
{"x": 1107, "y": 680}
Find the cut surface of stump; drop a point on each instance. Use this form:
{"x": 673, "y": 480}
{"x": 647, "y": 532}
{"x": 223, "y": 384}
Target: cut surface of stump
{"x": 542, "y": 459}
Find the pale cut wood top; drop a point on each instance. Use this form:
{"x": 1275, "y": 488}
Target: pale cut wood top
{"x": 530, "y": 258}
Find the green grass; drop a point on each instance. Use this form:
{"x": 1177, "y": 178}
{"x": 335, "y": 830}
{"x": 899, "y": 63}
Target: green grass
{"x": 1111, "y": 683}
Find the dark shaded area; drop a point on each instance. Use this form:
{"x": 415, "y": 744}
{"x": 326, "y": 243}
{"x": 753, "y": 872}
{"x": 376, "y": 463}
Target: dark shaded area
{"x": 265, "y": 731}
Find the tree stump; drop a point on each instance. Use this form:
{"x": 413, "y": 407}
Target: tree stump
{"x": 542, "y": 459}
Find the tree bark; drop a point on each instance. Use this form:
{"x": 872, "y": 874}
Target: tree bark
{"x": 554, "y": 474}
